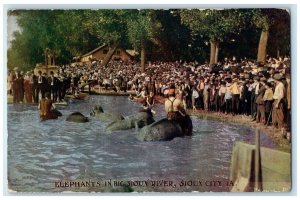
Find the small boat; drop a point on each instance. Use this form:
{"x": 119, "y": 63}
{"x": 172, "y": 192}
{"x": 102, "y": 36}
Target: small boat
{"x": 158, "y": 99}
{"x": 62, "y": 103}
{"x": 80, "y": 96}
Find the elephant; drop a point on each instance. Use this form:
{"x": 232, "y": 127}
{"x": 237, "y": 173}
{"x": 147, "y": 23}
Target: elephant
{"x": 53, "y": 114}
{"x": 164, "y": 130}
{"x": 77, "y": 117}
{"x": 98, "y": 112}
{"x": 140, "y": 119}
{"x": 57, "y": 112}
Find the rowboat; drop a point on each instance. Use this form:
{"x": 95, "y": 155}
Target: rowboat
{"x": 158, "y": 99}
{"x": 80, "y": 96}
{"x": 62, "y": 103}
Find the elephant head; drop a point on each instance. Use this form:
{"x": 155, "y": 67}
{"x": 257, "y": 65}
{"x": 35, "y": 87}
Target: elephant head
{"x": 95, "y": 110}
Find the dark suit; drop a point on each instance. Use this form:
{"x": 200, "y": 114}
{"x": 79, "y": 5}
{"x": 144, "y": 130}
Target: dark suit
{"x": 35, "y": 94}
{"x": 253, "y": 102}
{"x": 188, "y": 91}
{"x": 41, "y": 86}
{"x": 53, "y": 87}
{"x": 64, "y": 84}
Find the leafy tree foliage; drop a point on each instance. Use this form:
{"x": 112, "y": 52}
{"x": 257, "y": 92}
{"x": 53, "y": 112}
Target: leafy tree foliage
{"x": 196, "y": 34}
{"x": 215, "y": 24}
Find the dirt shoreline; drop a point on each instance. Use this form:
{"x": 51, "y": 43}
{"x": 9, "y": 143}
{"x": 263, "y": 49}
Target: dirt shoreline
{"x": 274, "y": 133}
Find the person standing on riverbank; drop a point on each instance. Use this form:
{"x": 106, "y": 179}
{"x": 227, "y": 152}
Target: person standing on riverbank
{"x": 34, "y": 83}
{"x": 268, "y": 101}
{"x": 260, "y": 116}
{"x": 18, "y": 87}
{"x": 235, "y": 91}
{"x": 41, "y": 86}
{"x": 228, "y": 98}
{"x": 195, "y": 96}
{"x": 277, "y": 112}
{"x": 222, "y": 92}
{"x": 28, "y": 87}
{"x": 9, "y": 83}
{"x": 255, "y": 87}
{"x": 53, "y": 84}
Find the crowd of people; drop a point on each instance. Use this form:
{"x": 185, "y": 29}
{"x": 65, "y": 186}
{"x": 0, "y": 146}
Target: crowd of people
{"x": 232, "y": 87}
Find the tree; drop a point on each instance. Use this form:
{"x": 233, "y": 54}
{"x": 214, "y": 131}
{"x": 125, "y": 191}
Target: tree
{"x": 172, "y": 39}
{"x": 215, "y": 24}
{"x": 157, "y": 34}
{"x": 62, "y": 31}
{"x": 141, "y": 26}
{"x": 67, "y": 32}
{"x": 110, "y": 26}
{"x": 267, "y": 20}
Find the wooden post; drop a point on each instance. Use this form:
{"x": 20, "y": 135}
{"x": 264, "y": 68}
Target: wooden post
{"x": 258, "y": 173}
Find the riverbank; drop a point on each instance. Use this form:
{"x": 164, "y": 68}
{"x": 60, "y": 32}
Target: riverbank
{"x": 276, "y": 134}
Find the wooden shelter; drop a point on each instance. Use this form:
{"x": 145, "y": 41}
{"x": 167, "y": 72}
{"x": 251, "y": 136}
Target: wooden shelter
{"x": 100, "y": 52}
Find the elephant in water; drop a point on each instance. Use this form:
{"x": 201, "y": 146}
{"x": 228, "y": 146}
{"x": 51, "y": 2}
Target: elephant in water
{"x": 165, "y": 129}
{"x": 57, "y": 112}
{"x": 98, "y": 112}
{"x": 140, "y": 119}
{"x": 77, "y": 117}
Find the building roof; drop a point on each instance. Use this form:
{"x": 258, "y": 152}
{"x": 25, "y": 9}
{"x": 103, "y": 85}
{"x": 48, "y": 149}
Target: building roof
{"x": 130, "y": 53}
{"x": 95, "y": 50}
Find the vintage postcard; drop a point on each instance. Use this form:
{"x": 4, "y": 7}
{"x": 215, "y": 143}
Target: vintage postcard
{"x": 149, "y": 100}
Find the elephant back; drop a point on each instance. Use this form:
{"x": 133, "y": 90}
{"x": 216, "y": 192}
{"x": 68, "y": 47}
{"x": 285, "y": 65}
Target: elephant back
{"x": 77, "y": 117}
{"x": 141, "y": 119}
{"x": 161, "y": 130}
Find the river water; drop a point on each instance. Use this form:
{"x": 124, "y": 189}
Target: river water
{"x": 41, "y": 155}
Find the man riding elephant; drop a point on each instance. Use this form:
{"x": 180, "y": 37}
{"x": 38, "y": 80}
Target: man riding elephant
{"x": 177, "y": 123}
{"x": 176, "y": 112}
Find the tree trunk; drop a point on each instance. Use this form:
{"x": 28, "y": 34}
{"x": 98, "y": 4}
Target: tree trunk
{"x": 278, "y": 52}
{"x": 217, "y": 51}
{"x": 212, "y": 52}
{"x": 143, "y": 58}
{"x": 109, "y": 54}
{"x": 262, "y": 46}
{"x": 46, "y": 59}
